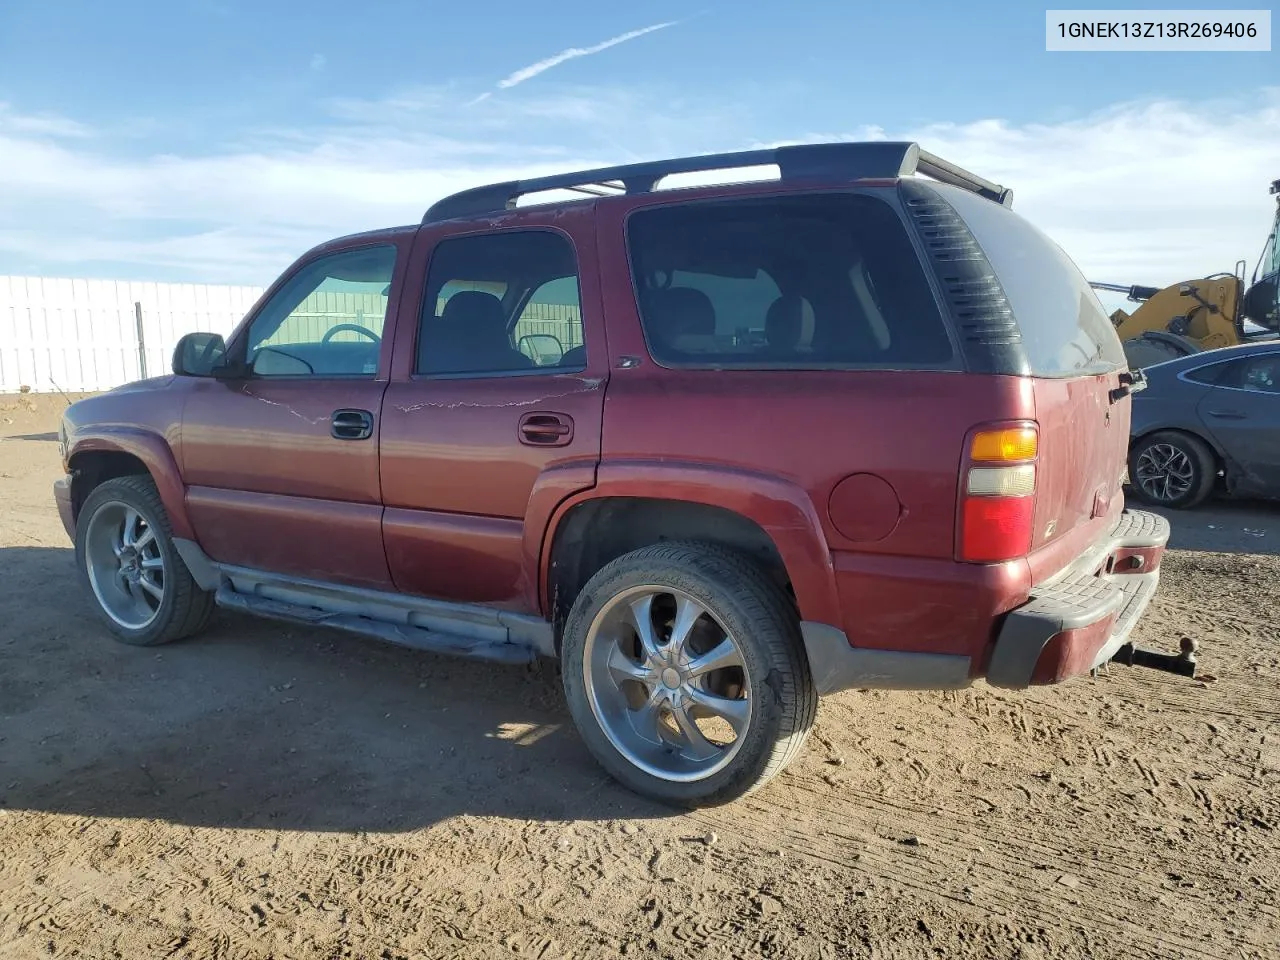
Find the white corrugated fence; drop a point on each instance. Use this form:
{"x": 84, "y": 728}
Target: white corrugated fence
{"x": 82, "y": 335}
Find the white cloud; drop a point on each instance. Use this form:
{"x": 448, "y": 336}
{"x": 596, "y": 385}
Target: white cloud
{"x": 531, "y": 71}
{"x": 39, "y": 125}
{"x": 1151, "y": 192}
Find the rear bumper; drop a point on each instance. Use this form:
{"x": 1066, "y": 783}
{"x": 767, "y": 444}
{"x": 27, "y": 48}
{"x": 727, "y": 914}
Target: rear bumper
{"x": 62, "y": 497}
{"x": 1080, "y": 621}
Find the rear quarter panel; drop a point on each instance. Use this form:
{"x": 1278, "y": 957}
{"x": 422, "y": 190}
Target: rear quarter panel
{"x": 815, "y": 430}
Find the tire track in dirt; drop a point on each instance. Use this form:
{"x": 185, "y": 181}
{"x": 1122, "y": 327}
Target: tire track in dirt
{"x": 1099, "y": 889}
{"x": 926, "y": 873}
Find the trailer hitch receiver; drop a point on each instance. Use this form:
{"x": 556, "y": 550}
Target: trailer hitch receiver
{"x": 1183, "y": 663}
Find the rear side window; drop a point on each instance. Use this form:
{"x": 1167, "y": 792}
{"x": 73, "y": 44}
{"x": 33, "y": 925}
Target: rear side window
{"x": 1214, "y": 373}
{"x": 1258, "y": 374}
{"x": 826, "y": 281}
{"x": 1064, "y": 328}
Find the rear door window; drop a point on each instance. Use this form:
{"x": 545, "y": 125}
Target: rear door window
{"x": 549, "y": 330}
{"x": 499, "y": 304}
{"x": 817, "y": 281}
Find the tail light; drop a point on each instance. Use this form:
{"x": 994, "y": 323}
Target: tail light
{"x": 998, "y": 493}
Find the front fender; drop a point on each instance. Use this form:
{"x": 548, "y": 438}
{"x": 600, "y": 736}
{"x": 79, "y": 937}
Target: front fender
{"x": 781, "y": 508}
{"x": 154, "y": 453}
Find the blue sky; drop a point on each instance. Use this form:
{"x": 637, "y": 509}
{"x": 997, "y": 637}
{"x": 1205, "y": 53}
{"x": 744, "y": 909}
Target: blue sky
{"x": 214, "y": 140}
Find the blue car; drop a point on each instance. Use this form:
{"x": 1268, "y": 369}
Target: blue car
{"x": 1205, "y": 423}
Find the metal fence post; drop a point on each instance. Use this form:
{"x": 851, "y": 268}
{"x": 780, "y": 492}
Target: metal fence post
{"x": 142, "y": 344}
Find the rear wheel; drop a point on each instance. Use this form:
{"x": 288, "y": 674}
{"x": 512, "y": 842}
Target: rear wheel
{"x": 124, "y": 550}
{"x": 1174, "y": 470}
{"x": 685, "y": 674}
{"x": 1157, "y": 346}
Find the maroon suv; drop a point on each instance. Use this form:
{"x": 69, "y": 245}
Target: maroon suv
{"x": 720, "y": 450}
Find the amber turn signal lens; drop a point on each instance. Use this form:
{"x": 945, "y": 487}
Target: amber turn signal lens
{"x": 1013, "y": 443}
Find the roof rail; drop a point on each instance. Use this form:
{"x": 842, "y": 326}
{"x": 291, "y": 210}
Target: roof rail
{"x": 844, "y": 161}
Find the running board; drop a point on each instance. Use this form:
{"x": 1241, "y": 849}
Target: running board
{"x": 459, "y": 629}
{"x": 399, "y": 634}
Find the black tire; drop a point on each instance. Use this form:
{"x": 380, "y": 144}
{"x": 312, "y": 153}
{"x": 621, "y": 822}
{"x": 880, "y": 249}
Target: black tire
{"x": 185, "y": 609}
{"x": 1200, "y": 459}
{"x": 1157, "y": 346}
{"x": 764, "y": 624}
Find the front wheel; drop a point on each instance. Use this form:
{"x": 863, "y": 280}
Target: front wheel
{"x": 685, "y": 673}
{"x": 125, "y": 553}
{"x": 1170, "y": 469}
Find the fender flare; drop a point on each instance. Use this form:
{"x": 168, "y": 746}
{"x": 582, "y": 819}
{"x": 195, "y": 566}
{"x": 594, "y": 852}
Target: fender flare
{"x": 782, "y": 509}
{"x": 155, "y": 454}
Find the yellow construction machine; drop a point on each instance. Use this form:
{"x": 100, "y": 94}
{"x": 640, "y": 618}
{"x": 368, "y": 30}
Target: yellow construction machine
{"x": 1205, "y": 314}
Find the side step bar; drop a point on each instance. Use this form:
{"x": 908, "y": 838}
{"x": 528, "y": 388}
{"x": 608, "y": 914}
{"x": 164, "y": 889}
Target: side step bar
{"x": 401, "y": 634}
{"x": 439, "y": 626}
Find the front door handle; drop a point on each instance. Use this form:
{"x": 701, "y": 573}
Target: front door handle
{"x": 546, "y": 429}
{"x": 1227, "y": 414}
{"x": 351, "y": 424}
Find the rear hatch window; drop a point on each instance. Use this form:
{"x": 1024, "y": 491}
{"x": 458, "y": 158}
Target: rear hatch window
{"x": 1064, "y": 328}
{"x": 815, "y": 281}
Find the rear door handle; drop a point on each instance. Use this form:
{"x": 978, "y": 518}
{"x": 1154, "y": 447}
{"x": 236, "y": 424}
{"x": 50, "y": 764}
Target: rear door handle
{"x": 351, "y": 424}
{"x": 1227, "y": 414}
{"x": 546, "y": 429}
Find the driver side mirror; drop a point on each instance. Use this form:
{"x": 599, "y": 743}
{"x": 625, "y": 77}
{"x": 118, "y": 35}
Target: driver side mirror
{"x": 199, "y": 355}
{"x": 542, "y": 348}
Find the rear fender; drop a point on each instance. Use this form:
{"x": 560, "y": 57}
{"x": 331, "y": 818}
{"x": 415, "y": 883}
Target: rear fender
{"x": 155, "y": 454}
{"x": 782, "y": 509}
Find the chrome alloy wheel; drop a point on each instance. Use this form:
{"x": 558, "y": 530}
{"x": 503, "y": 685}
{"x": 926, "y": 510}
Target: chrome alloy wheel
{"x": 1164, "y": 472}
{"x": 125, "y": 565}
{"x": 667, "y": 683}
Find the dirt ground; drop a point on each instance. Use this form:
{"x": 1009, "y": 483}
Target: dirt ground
{"x": 289, "y": 793}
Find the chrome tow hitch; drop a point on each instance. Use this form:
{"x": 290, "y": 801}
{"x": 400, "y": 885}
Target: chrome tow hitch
{"x": 1183, "y": 663}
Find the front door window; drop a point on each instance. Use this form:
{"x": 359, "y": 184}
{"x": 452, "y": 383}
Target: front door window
{"x": 327, "y": 320}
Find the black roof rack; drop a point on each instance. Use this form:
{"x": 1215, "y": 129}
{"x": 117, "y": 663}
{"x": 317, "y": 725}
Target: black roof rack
{"x": 845, "y": 161}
